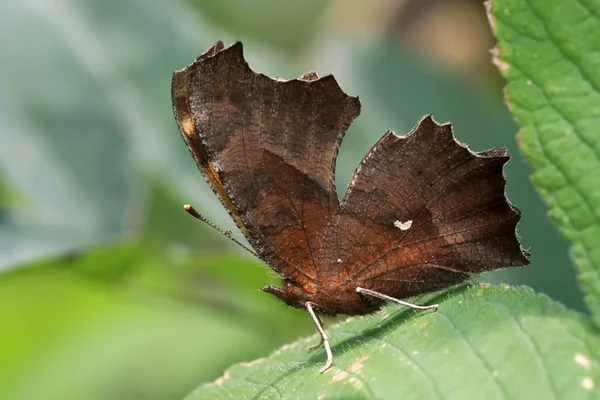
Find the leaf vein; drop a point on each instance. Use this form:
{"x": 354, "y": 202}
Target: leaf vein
{"x": 478, "y": 356}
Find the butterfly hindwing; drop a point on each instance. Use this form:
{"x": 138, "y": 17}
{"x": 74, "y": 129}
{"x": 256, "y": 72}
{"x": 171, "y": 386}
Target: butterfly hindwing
{"x": 423, "y": 212}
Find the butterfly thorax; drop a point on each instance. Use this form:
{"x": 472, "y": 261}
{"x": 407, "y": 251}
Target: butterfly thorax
{"x": 329, "y": 300}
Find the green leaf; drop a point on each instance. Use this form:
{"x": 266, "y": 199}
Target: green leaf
{"x": 163, "y": 323}
{"x": 484, "y": 342}
{"x": 548, "y": 52}
{"x": 295, "y": 23}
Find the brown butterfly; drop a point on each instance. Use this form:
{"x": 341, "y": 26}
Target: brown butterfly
{"x": 421, "y": 213}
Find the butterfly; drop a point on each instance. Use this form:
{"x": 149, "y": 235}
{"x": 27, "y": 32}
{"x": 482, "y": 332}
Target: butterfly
{"x": 421, "y": 213}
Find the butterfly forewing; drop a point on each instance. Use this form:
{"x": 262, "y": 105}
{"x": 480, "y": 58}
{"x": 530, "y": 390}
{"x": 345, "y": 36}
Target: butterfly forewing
{"x": 268, "y": 149}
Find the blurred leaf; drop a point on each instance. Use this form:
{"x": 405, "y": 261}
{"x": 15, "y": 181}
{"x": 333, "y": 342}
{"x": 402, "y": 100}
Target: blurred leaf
{"x": 174, "y": 273}
{"x": 288, "y": 25}
{"x": 61, "y": 145}
{"x": 548, "y": 54}
{"x": 94, "y": 119}
{"x": 396, "y": 89}
{"x": 483, "y": 343}
{"x": 66, "y": 141}
{"x": 64, "y": 336}
{"x": 167, "y": 222}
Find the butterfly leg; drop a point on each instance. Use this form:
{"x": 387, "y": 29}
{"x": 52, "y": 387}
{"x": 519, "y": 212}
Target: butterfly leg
{"x": 324, "y": 339}
{"x": 389, "y": 298}
{"x": 316, "y": 346}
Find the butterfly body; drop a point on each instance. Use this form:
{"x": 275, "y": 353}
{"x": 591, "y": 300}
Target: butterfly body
{"x": 330, "y": 300}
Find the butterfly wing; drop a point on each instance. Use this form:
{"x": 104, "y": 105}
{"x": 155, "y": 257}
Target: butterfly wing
{"x": 423, "y": 212}
{"x": 267, "y": 147}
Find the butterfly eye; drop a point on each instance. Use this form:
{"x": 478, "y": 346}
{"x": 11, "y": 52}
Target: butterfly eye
{"x": 289, "y": 282}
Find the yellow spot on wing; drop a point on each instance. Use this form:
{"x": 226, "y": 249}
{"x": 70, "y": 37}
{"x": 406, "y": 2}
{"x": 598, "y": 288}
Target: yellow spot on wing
{"x": 188, "y": 126}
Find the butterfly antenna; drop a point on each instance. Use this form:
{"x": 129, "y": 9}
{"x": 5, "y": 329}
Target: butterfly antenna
{"x": 192, "y": 211}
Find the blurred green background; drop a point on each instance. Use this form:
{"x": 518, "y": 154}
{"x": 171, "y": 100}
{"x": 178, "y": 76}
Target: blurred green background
{"x": 108, "y": 290}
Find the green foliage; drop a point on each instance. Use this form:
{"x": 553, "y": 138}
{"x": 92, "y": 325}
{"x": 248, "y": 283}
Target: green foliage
{"x": 484, "y": 342}
{"x": 548, "y": 54}
{"x": 113, "y": 321}
{"x": 260, "y": 18}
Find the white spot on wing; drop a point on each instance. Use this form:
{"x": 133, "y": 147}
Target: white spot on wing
{"x": 403, "y": 226}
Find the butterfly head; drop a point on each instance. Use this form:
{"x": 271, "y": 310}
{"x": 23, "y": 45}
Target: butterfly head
{"x": 291, "y": 293}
